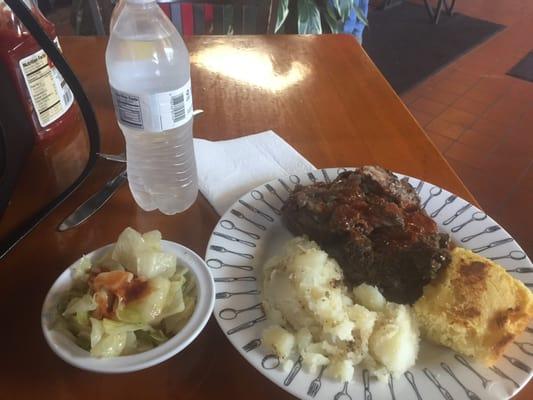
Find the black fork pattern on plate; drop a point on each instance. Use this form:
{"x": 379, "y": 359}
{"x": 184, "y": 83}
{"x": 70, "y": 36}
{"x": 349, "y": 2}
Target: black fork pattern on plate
{"x": 240, "y": 215}
{"x": 484, "y": 381}
{"x": 470, "y": 394}
{"x": 411, "y": 379}
{"x": 449, "y": 200}
{"x": 227, "y": 295}
{"x": 258, "y": 196}
{"x": 527, "y": 348}
{"x": 503, "y": 375}
{"x": 256, "y": 210}
{"x": 274, "y": 192}
{"x": 457, "y": 214}
{"x": 437, "y": 384}
{"x": 222, "y": 249}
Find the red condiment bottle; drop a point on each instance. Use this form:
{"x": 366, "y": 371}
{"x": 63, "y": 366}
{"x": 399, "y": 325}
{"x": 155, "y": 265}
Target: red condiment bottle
{"x": 42, "y": 132}
{"x": 41, "y": 94}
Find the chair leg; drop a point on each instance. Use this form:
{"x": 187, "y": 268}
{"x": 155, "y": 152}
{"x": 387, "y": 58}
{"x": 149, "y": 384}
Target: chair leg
{"x": 97, "y": 18}
{"x": 450, "y": 8}
{"x": 429, "y": 10}
{"x": 438, "y": 11}
{"x": 445, "y": 4}
{"x": 434, "y": 14}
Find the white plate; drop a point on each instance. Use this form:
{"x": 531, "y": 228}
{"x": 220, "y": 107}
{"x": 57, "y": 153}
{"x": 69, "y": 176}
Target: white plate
{"x": 65, "y": 347}
{"x": 258, "y": 234}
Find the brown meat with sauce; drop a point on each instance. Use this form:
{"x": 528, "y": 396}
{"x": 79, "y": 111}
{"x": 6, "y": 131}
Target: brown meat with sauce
{"x": 373, "y": 225}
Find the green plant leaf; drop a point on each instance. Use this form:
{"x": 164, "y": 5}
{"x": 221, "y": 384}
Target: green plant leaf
{"x": 333, "y": 19}
{"x": 308, "y": 17}
{"x": 345, "y": 8}
{"x": 333, "y": 7}
{"x": 281, "y": 16}
{"x": 359, "y": 14}
{"x": 332, "y": 23}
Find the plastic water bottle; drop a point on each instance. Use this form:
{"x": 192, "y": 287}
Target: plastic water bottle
{"x": 119, "y": 5}
{"x": 149, "y": 73}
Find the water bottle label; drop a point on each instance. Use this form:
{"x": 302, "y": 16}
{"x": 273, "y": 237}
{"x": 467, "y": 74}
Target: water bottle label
{"x": 156, "y": 112}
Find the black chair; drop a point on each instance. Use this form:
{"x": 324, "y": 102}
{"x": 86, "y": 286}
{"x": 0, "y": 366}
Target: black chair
{"x": 434, "y": 13}
{"x": 224, "y": 17}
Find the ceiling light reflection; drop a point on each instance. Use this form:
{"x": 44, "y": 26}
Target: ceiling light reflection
{"x": 249, "y": 66}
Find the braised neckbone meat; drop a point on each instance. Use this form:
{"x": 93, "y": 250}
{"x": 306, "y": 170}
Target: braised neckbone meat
{"x": 372, "y": 223}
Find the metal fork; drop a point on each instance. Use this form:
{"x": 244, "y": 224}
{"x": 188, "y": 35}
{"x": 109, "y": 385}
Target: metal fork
{"x": 315, "y": 385}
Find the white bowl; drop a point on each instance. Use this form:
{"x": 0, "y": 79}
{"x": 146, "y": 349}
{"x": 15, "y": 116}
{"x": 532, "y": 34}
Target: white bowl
{"x": 65, "y": 348}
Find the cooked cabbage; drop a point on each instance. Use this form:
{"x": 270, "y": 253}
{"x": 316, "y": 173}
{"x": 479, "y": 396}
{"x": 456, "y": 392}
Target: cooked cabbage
{"x": 97, "y": 331}
{"x": 148, "y": 308}
{"x": 80, "y": 305}
{"x": 81, "y": 269}
{"x": 142, "y": 254}
{"x": 109, "y": 345}
{"x": 113, "y": 314}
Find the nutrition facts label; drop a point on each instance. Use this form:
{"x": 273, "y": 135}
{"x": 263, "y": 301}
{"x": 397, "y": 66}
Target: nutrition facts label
{"x": 50, "y": 95}
{"x": 128, "y": 109}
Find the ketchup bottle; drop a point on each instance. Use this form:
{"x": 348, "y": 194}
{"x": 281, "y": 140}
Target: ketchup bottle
{"x": 41, "y": 94}
{"x": 37, "y": 108}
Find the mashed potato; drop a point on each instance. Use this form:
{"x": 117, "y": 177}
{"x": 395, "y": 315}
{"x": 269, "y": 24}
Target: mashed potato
{"x": 312, "y": 313}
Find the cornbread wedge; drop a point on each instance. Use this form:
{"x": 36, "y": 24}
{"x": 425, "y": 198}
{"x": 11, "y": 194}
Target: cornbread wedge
{"x": 474, "y": 307}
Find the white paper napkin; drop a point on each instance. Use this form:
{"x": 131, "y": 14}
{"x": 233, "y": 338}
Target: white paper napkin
{"x": 228, "y": 169}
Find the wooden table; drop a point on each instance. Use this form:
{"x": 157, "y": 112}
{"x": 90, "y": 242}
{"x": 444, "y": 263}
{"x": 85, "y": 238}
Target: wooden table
{"x": 321, "y": 94}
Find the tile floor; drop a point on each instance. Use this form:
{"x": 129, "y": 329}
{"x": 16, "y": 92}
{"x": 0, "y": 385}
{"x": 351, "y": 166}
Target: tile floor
{"x": 482, "y": 119}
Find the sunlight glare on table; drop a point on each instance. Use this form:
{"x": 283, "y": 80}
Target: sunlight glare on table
{"x": 249, "y": 66}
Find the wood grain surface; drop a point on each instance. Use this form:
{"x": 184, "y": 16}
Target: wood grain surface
{"x": 322, "y": 94}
